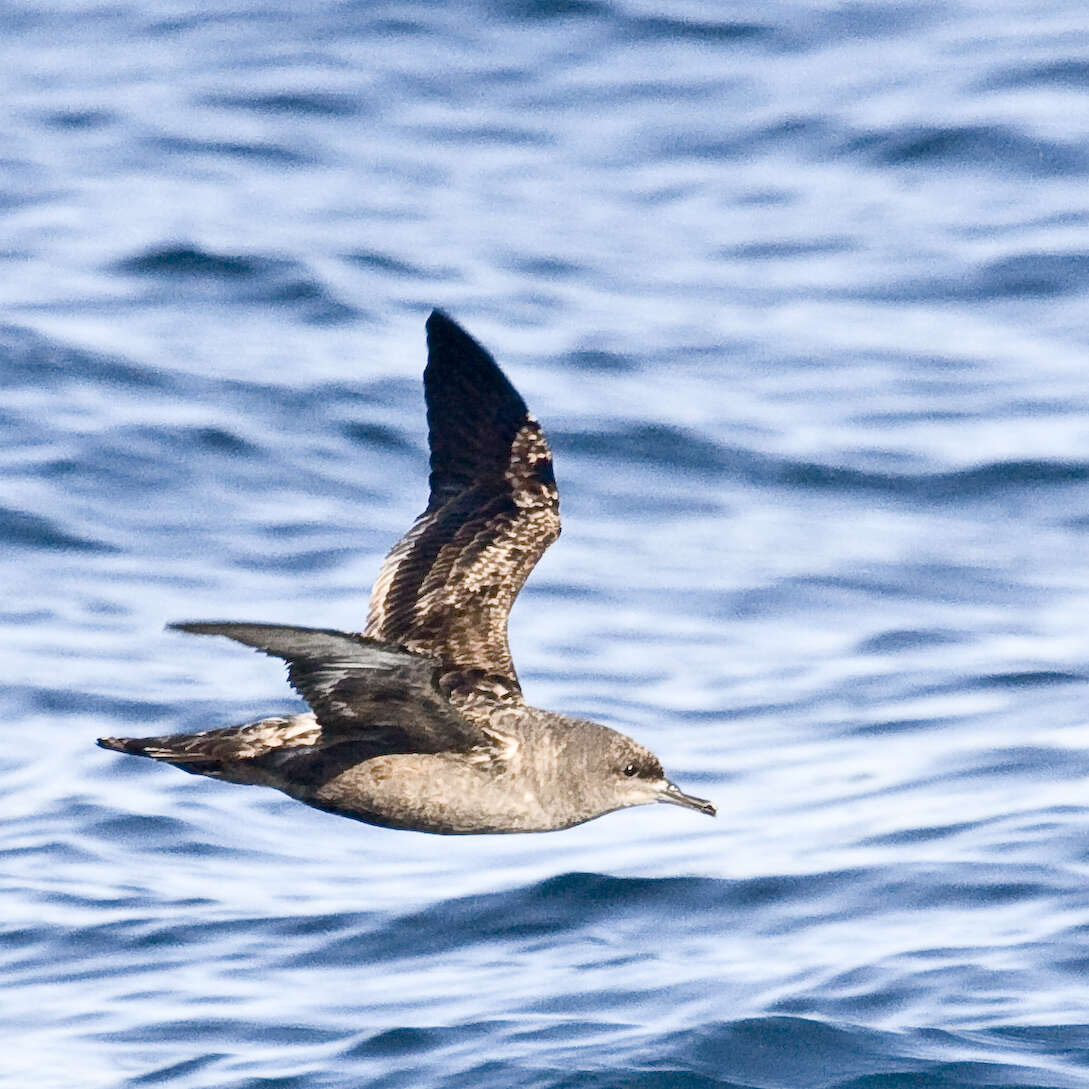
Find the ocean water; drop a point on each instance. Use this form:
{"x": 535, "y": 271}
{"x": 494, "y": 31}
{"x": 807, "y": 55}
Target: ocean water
{"x": 801, "y": 294}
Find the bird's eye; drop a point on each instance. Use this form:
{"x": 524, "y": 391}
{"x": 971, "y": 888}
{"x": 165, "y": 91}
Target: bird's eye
{"x": 630, "y": 770}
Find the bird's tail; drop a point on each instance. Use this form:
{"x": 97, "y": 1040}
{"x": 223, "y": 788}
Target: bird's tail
{"x": 166, "y": 747}
{"x": 132, "y": 745}
{"x": 215, "y": 752}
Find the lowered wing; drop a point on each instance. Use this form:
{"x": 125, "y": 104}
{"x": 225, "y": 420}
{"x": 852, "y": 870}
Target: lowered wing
{"x": 359, "y": 689}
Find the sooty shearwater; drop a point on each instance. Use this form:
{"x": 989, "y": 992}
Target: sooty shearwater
{"x": 419, "y": 722}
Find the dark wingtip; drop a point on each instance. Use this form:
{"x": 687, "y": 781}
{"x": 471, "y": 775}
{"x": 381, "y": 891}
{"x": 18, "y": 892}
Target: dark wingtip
{"x": 201, "y": 627}
{"x": 116, "y": 744}
{"x": 442, "y": 329}
{"x": 462, "y": 376}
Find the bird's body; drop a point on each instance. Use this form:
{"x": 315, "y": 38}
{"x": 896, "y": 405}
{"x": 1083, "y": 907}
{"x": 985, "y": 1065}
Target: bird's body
{"x": 419, "y": 722}
{"x": 521, "y": 784}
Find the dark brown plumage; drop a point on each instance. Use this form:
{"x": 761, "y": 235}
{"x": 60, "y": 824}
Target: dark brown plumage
{"x": 419, "y": 722}
{"x": 447, "y": 587}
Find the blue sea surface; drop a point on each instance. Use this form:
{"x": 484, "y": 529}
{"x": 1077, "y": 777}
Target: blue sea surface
{"x": 800, "y": 292}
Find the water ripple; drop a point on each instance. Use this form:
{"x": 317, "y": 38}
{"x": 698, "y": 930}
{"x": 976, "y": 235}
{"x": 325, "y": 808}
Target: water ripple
{"x": 800, "y": 296}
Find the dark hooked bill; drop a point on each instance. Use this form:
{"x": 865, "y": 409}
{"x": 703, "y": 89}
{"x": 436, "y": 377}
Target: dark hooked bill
{"x": 675, "y": 796}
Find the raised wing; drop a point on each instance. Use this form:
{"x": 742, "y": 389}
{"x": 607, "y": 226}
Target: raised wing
{"x": 447, "y": 587}
{"x": 359, "y": 689}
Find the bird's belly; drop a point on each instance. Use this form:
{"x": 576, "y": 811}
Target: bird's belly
{"x": 445, "y": 794}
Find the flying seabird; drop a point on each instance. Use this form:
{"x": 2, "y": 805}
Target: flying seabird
{"x": 419, "y": 722}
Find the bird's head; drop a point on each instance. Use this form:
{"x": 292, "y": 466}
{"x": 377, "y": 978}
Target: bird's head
{"x": 623, "y": 773}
